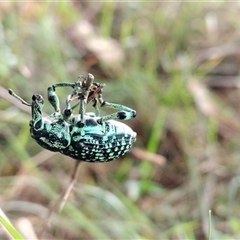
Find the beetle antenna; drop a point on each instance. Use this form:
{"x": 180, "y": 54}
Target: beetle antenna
{"x": 17, "y": 97}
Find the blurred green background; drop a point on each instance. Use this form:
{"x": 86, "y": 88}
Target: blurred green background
{"x": 177, "y": 65}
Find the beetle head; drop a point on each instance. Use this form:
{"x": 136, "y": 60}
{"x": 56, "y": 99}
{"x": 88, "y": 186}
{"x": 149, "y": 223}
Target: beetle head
{"x": 37, "y": 102}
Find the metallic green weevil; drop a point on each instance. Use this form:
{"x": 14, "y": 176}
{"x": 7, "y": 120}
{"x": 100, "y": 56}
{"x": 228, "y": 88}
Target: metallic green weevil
{"x": 83, "y": 136}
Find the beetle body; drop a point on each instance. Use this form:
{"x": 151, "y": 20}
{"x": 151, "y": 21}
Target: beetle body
{"x": 96, "y": 142}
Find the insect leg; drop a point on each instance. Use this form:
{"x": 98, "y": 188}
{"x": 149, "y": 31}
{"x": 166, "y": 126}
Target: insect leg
{"x": 82, "y": 85}
{"x": 97, "y": 112}
{"x": 52, "y": 96}
{"x": 125, "y": 113}
{"x": 83, "y": 95}
{"x": 67, "y": 112}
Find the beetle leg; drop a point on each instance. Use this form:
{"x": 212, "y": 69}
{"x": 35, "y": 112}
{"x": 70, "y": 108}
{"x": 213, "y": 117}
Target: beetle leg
{"x": 82, "y": 108}
{"x": 97, "y": 112}
{"x": 67, "y": 112}
{"x": 96, "y": 89}
{"x": 125, "y": 113}
{"x": 53, "y": 98}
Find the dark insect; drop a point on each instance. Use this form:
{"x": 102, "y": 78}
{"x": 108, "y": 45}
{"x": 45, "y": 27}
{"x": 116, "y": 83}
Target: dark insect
{"x": 83, "y": 136}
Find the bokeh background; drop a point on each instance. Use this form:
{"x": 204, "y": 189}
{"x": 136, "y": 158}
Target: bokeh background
{"x": 177, "y": 65}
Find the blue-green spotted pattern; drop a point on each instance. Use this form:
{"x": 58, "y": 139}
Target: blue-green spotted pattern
{"x": 101, "y": 142}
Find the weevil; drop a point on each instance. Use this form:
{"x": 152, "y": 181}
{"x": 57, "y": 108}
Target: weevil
{"x": 83, "y": 136}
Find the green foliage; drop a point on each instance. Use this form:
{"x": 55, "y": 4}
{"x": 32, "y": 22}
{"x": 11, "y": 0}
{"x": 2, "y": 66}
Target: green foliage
{"x": 10, "y": 229}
